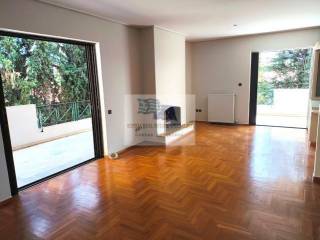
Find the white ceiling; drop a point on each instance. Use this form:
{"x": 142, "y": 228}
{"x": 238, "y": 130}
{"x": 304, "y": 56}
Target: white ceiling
{"x": 205, "y": 19}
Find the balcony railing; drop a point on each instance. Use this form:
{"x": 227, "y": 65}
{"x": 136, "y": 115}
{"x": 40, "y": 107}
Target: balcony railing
{"x": 62, "y": 112}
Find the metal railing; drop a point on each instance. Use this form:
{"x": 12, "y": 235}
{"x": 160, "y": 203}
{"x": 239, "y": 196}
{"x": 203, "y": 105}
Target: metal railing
{"x": 63, "y": 112}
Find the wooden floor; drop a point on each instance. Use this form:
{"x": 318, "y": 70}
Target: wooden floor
{"x": 233, "y": 183}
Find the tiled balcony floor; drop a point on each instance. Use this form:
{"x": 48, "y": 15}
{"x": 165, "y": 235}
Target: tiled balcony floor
{"x": 42, "y": 160}
{"x": 282, "y": 120}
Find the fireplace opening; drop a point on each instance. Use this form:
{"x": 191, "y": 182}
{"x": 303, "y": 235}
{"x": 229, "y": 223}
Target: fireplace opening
{"x": 172, "y": 118}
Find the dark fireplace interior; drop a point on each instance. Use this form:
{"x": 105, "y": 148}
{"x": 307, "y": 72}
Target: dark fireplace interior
{"x": 172, "y": 117}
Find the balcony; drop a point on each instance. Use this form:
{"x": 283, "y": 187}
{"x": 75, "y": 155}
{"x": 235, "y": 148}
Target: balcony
{"x": 48, "y": 139}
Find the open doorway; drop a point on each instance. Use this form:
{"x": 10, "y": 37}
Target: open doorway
{"x": 49, "y": 106}
{"x": 282, "y": 96}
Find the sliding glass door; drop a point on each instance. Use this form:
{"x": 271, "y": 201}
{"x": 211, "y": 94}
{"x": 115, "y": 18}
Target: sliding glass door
{"x": 283, "y": 88}
{"x": 49, "y": 109}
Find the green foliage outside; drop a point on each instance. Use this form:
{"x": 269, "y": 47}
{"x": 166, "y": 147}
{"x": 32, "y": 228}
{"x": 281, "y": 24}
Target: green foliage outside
{"x": 42, "y": 73}
{"x": 288, "y": 69}
{"x": 265, "y": 93}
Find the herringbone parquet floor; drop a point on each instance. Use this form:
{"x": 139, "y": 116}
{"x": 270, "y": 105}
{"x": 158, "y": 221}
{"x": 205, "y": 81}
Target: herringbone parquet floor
{"x": 236, "y": 182}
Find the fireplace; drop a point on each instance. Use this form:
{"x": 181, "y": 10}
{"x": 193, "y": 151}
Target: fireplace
{"x": 172, "y": 118}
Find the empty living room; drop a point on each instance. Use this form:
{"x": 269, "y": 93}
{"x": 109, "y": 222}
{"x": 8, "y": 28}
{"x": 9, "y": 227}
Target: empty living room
{"x": 160, "y": 120}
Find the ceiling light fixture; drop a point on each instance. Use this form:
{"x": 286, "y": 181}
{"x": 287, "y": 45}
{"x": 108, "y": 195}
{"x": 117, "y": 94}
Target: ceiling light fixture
{"x": 235, "y": 25}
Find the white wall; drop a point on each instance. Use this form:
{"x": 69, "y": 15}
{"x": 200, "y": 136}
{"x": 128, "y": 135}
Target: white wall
{"x": 147, "y": 60}
{"x": 119, "y": 46}
{"x": 149, "y": 83}
{"x": 219, "y": 65}
{"x": 291, "y": 100}
{"x": 163, "y": 71}
{"x": 170, "y": 74}
{"x": 190, "y": 97}
{"x": 21, "y": 128}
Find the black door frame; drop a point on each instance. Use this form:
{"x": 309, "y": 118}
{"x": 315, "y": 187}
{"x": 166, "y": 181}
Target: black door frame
{"x": 253, "y": 87}
{"x": 254, "y": 92}
{"x": 95, "y": 110}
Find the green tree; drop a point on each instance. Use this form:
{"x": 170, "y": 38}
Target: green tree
{"x": 41, "y": 72}
{"x": 73, "y": 73}
{"x": 265, "y": 88}
{"x": 291, "y": 68}
{"x": 265, "y": 93}
{"x": 13, "y": 55}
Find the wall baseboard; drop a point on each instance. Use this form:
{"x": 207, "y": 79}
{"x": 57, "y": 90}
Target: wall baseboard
{"x": 5, "y": 201}
{"x": 313, "y": 144}
{"x": 223, "y": 123}
{"x": 122, "y": 151}
{"x": 316, "y": 179}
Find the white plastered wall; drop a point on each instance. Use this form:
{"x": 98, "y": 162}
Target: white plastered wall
{"x": 219, "y": 65}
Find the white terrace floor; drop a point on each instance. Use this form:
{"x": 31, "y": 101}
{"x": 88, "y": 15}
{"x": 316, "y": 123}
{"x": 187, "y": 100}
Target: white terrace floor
{"x": 42, "y": 160}
{"x": 283, "y": 115}
{"x": 282, "y": 121}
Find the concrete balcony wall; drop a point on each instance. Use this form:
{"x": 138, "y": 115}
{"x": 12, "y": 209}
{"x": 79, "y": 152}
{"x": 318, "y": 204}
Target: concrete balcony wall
{"x": 24, "y": 130}
{"x": 288, "y": 102}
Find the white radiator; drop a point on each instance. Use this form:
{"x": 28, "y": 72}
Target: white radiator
{"x": 221, "y": 107}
